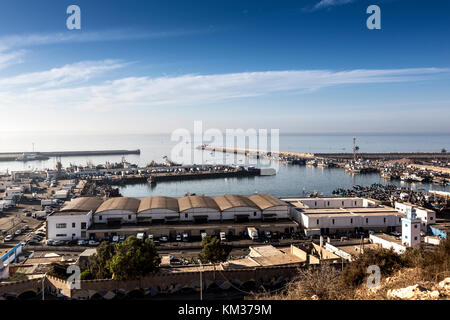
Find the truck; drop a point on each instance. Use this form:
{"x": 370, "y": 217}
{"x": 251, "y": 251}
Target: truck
{"x": 39, "y": 214}
{"x": 49, "y": 202}
{"x": 252, "y": 233}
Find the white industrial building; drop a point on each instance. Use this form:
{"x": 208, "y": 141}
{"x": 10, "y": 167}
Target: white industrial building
{"x": 343, "y": 215}
{"x": 121, "y": 210}
{"x": 237, "y": 208}
{"x": 426, "y": 216}
{"x": 198, "y": 209}
{"x": 73, "y": 220}
{"x": 158, "y": 209}
{"x": 271, "y": 207}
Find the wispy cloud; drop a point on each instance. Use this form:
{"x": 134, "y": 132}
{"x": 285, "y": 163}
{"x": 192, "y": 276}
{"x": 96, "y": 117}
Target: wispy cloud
{"x": 323, "y": 4}
{"x": 10, "y": 58}
{"x": 49, "y": 89}
{"x": 58, "y": 77}
{"x": 26, "y": 40}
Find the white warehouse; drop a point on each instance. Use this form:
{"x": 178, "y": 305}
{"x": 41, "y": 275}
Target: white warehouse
{"x": 121, "y": 210}
{"x": 198, "y": 209}
{"x": 271, "y": 207}
{"x": 237, "y": 208}
{"x": 328, "y": 215}
{"x": 158, "y": 209}
{"x": 426, "y": 216}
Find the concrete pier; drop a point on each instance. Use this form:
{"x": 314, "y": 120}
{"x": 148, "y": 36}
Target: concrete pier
{"x": 12, "y": 156}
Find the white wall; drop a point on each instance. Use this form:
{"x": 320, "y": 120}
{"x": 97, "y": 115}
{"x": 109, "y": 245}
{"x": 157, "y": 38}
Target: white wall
{"x": 158, "y": 214}
{"x": 126, "y": 216}
{"x": 387, "y": 244}
{"x": 348, "y": 222}
{"x": 211, "y": 213}
{"x": 319, "y": 203}
{"x": 231, "y": 213}
{"x": 57, "y": 233}
{"x": 281, "y": 212}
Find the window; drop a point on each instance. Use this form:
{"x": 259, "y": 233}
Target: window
{"x": 83, "y": 234}
{"x": 83, "y": 225}
{"x": 328, "y": 203}
{"x": 406, "y": 237}
{"x": 254, "y": 214}
{"x": 342, "y": 203}
{"x": 317, "y": 221}
{"x": 73, "y": 235}
{"x": 415, "y": 226}
{"x": 129, "y": 217}
{"x": 384, "y": 220}
{"x": 61, "y": 225}
{"x": 332, "y": 221}
{"x": 315, "y": 203}
{"x": 61, "y": 235}
{"x": 73, "y": 224}
{"x": 431, "y": 218}
{"x": 100, "y": 218}
{"x": 367, "y": 220}
{"x": 406, "y": 225}
{"x": 351, "y": 220}
{"x": 415, "y": 238}
{"x": 186, "y": 215}
{"x": 399, "y": 219}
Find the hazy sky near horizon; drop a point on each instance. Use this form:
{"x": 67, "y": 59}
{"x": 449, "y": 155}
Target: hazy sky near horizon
{"x": 307, "y": 66}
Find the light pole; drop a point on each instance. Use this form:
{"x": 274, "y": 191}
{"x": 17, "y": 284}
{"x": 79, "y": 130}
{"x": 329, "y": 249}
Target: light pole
{"x": 43, "y": 286}
{"x": 201, "y": 281}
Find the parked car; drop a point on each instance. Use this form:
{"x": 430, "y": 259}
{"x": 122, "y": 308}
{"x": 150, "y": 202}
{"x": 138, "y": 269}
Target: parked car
{"x": 18, "y": 232}
{"x": 81, "y": 242}
{"x": 115, "y": 239}
{"x": 93, "y": 243}
{"x": 49, "y": 242}
{"x": 33, "y": 242}
{"x": 28, "y": 213}
{"x": 8, "y": 238}
{"x": 122, "y": 238}
{"x": 163, "y": 239}
{"x": 58, "y": 242}
{"x": 178, "y": 237}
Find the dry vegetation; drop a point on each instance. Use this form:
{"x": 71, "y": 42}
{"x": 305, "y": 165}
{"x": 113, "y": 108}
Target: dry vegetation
{"x": 325, "y": 282}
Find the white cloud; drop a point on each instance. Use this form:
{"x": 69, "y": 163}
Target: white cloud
{"x": 10, "y": 58}
{"x": 322, "y": 4}
{"x": 50, "y": 89}
{"x": 58, "y": 77}
{"x": 26, "y": 40}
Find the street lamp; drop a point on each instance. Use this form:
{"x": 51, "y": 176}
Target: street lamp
{"x": 201, "y": 280}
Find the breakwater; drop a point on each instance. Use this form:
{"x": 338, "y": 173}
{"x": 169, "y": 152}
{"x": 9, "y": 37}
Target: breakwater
{"x": 33, "y": 156}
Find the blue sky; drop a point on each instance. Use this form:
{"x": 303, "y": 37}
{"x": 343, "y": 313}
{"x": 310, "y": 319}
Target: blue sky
{"x": 154, "y": 66}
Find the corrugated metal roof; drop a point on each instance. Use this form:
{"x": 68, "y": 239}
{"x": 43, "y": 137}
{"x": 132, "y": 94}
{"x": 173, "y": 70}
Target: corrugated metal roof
{"x": 233, "y": 201}
{"x": 158, "y": 203}
{"x": 83, "y": 204}
{"x": 265, "y": 201}
{"x": 120, "y": 203}
{"x": 190, "y": 202}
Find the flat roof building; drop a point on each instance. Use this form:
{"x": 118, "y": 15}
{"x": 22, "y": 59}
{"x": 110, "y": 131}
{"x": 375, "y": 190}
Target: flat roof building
{"x": 331, "y": 215}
